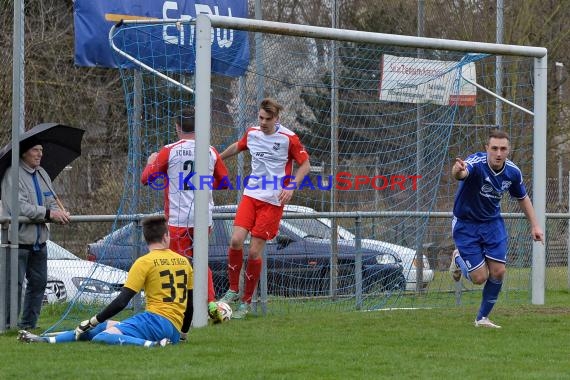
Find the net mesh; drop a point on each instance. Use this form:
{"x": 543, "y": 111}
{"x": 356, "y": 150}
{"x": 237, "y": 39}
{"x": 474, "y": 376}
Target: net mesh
{"x": 383, "y": 138}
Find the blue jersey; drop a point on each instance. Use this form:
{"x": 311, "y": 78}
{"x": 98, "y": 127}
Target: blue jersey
{"x": 478, "y": 198}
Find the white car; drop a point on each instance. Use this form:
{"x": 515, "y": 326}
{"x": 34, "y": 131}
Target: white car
{"x": 409, "y": 262}
{"x": 70, "y": 277}
{"x": 407, "y": 255}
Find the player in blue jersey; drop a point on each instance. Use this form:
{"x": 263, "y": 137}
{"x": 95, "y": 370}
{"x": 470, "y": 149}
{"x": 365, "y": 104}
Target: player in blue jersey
{"x": 478, "y": 229}
{"x": 167, "y": 280}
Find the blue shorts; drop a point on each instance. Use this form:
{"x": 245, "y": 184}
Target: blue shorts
{"x": 479, "y": 241}
{"x": 149, "y": 326}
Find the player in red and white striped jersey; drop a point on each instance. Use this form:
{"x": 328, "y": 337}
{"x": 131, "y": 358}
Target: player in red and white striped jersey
{"x": 273, "y": 149}
{"x": 174, "y": 163}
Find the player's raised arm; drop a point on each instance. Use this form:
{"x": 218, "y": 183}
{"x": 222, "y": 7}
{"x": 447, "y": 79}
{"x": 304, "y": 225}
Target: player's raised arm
{"x": 230, "y": 151}
{"x": 156, "y": 162}
{"x": 459, "y": 169}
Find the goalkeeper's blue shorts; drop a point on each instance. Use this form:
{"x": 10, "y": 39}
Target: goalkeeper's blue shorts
{"x": 149, "y": 326}
{"x": 479, "y": 241}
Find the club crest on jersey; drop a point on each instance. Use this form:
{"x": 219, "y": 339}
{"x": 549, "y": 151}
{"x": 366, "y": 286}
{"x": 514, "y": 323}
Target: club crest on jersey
{"x": 276, "y": 146}
{"x": 505, "y": 185}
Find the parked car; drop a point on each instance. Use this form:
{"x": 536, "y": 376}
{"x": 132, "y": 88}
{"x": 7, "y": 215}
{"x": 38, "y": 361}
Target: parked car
{"x": 298, "y": 259}
{"x": 321, "y": 228}
{"x": 55, "y": 291}
{"x": 69, "y": 275}
{"x": 297, "y": 264}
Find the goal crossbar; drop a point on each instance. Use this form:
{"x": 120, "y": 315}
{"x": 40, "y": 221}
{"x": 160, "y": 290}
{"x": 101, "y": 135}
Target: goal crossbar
{"x": 355, "y": 35}
{"x": 375, "y": 38}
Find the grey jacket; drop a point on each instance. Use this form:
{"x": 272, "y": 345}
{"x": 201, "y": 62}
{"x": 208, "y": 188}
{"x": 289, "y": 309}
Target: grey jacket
{"x": 30, "y": 205}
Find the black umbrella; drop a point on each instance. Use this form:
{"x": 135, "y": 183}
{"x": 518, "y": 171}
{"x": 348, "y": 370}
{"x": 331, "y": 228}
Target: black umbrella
{"x": 61, "y": 145}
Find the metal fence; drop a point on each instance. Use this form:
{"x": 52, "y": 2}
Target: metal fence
{"x": 437, "y": 247}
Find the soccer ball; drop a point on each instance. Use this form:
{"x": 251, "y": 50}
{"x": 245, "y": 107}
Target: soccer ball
{"x": 225, "y": 310}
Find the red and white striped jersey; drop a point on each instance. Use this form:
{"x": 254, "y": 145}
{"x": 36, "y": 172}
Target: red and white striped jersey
{"x": 177, "y": 162}
{"x": 271, "y": 160}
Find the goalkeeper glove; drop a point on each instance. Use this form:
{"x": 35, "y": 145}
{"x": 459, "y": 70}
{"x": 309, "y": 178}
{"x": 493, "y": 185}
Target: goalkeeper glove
{"x": 85, "y": 326}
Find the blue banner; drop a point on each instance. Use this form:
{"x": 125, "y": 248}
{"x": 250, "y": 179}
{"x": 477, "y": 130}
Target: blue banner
{"x": 162, "y": 47}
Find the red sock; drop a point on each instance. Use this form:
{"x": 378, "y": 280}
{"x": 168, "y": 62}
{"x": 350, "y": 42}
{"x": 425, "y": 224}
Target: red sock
{"x": 211, "y": 291}
{"x": 235, "y": 262}
{"x": 252, "y": 274}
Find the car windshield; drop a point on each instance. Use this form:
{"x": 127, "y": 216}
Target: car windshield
{"x": 57, "y": 252}
{"x": 124, "y": 235}
{"x": 318, "y": 228}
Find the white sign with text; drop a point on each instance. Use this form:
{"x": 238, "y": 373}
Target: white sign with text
{"x": 416, "y": 80}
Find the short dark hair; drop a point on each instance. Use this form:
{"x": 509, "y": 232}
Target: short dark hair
{"x": 498, "y": 134}
{"x": 271, "y": 106}
{"x": 154, "y": 228}
{"x": 186, "y": 120}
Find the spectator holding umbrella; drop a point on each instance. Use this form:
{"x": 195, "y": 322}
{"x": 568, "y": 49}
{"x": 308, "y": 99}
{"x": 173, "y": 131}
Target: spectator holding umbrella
{"x": 39, "y": 203}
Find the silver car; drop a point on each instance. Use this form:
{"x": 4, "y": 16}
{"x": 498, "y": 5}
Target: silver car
{"x": 70, "y": 277}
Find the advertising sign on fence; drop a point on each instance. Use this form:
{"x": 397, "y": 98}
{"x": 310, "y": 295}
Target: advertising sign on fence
{"x": 416, "y": 80}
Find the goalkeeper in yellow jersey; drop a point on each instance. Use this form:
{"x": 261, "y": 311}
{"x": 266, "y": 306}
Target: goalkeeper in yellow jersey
{"x": 167, "y": 280}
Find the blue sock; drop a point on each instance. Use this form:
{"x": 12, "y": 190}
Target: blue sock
{"x": 491, "y": 292}
{"x": 69, "y": 336}
{"x": 120, "y": 339}
{"x": 64, "y": 337}
{"x": 461, "y": 264}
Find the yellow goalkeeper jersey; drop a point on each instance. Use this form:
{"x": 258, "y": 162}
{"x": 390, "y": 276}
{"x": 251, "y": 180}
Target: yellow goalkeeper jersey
{"x": 165, "y": 277}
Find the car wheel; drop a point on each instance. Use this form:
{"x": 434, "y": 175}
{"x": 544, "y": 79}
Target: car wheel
{"x": 395, "y": 284}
